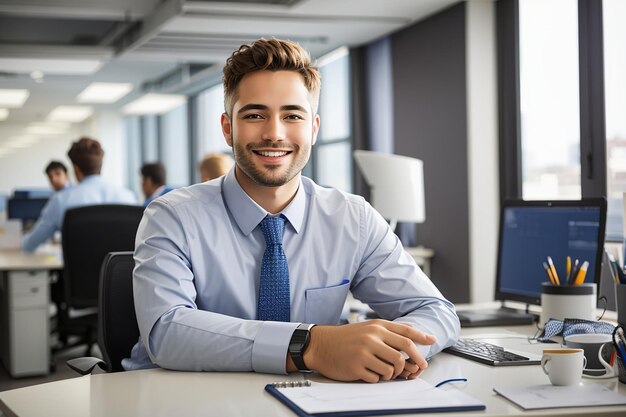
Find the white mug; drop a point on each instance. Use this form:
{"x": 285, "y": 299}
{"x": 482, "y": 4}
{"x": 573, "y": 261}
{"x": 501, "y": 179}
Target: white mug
{"x": 563, "y": 366}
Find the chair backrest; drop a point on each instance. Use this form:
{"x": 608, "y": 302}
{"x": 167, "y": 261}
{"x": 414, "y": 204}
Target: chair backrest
{"x": 117, "y": 322}
{"x": 88, "y": 234}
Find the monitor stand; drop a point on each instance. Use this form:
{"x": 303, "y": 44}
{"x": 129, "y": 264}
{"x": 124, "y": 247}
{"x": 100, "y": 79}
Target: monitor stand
{"x": 503, "y": 316}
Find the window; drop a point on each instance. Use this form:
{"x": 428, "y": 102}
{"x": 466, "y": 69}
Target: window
{"x": 133, "y": 144}
{"x": 584, "y": 87}
{"x": 614, "y": 15}
{"x": 175, "y": 146}
{"x": 332, "y": 154}
{"x": 210, "y": 109}
{"x": 549, "y": 99}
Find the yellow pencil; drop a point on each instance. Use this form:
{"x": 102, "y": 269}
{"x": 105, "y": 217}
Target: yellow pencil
{"x": 547, "y": 268}
{"x": 582, "y": 272}
{"x": 553, "y": 269}
{"x": 568, "y": 266}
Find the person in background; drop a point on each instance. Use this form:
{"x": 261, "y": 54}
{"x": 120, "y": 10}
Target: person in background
{"x": 214, "y": 165}
{"x": 153, "y": 181}
{"x": 250, "y": 271}
{"x": 57, "y": 175}
{"x": 86, "y": 155}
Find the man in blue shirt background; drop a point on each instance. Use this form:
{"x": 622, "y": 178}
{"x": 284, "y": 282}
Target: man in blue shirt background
{"x": 86, "y": 155}
{"x": 217, "y": 261}
{"x": 57, "y": 175}
{"x": 153, "y": 180}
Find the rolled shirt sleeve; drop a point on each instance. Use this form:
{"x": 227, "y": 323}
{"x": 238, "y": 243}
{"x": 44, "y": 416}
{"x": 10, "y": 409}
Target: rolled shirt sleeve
{"x": 396, "y": 288}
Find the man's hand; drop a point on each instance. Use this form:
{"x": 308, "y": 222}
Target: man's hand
{"x": 369, "y": 351}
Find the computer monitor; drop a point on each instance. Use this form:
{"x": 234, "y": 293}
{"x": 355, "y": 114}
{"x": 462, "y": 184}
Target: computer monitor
{"x": 530, "y": 231}
{"x": 25, "y": 209}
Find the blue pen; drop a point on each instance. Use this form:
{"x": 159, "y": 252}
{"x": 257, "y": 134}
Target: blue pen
{"x": 619, "y": 342}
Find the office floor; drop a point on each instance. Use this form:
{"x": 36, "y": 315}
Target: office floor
{"x": 62, "y": 371}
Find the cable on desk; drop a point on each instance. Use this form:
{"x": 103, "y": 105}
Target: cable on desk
{"x": 451, "y": 380}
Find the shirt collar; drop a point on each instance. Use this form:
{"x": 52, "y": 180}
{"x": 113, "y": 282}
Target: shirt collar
{"x": 91, "y": 178}
{"x": 248, "y": 214}
{"x": 157, "y": 192}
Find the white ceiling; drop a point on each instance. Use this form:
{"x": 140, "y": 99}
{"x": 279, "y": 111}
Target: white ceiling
{"x": 76, "y": 42}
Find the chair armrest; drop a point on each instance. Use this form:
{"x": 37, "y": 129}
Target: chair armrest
{"x": 85, "y": 365}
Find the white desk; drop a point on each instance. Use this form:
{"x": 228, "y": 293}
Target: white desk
{"x": 24, "y": 321}
{"x": 159, "y": 392}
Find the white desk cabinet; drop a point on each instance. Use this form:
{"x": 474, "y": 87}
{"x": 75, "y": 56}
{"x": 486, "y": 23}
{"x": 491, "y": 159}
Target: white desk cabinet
{"x": 24, "y": 299}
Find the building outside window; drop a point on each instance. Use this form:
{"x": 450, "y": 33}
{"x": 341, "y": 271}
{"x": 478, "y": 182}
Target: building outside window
{"x": 549, "y": 99}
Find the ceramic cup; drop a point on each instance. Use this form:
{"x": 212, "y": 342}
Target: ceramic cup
{"x": 598, "y": 349}
{"x": 563, "y": 366}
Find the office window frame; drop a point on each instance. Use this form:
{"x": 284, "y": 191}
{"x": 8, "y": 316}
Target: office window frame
{"x": 312, "y": 169}
{"x": 591, "y": 86}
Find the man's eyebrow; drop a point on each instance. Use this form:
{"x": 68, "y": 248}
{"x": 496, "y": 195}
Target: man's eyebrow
{"x": 253, "y": 107}
{"x": 295, "y": 107}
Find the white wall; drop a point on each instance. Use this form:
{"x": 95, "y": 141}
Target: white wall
{"x": 24, "y": 168}
{"x": 482, "y": 117}
{"x": 107, "y": 126}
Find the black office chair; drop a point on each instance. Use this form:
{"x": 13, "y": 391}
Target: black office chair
{"x": 88, "y": 234}
{"x": 117, "y": 322}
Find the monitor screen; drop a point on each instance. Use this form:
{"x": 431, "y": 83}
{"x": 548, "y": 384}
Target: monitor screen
{"x": 25, "y": 209}
{"x": 530, "y": 231}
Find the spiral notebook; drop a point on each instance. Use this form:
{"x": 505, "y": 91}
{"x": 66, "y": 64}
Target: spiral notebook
{"x": 309, "y": 398}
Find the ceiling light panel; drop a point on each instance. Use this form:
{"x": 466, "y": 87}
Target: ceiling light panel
{"x": 154, "y": 104}
{"x": 4, "y": 114}
{"x": 13, "y": 98}
{"x": 104, "y": 92}
{"x": 71, "y": 114}
{"x": 51, "y": 66}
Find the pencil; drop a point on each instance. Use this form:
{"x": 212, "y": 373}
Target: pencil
{"x": 580, "y": 277}
{"x": 547, "y": 268}
{"x": 554, "y": 274}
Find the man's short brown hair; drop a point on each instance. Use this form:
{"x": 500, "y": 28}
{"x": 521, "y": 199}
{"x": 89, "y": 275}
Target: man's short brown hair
{"x": 87, "y": 155}
{"x": 271, "y": 55}
{"x": 155, "y": 171}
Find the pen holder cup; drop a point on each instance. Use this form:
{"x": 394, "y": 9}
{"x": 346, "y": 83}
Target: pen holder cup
{"x": 562, "y": 302}
{"x": 620, "y": 303}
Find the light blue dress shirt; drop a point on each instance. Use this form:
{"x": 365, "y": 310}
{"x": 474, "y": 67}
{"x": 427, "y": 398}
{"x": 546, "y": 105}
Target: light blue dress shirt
{"x": 198, "y": 258}
{"x": 91, "y": 190}
{"x": 157, "y": 193}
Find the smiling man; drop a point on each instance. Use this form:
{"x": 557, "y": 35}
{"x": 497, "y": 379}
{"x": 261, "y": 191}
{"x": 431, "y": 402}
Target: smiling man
{"x": 250, "y": 271}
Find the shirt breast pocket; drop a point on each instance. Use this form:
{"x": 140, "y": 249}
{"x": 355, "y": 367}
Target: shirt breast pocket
{"x": 324, "y": 305}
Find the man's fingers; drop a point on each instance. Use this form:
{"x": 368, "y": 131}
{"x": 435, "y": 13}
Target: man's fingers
{"x": 410, "y": 332}
{"x": 381, "y": 367}
{"x": 404, "y": 344}
{"x": 411, "y": 367}
{"x": 390, "y": 356}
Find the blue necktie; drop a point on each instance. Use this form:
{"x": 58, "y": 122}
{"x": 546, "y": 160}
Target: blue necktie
{"x": 274, "y": 304}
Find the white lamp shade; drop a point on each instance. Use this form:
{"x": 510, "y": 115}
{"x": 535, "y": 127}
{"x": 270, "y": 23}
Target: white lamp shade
{"x": 397, "y": 185}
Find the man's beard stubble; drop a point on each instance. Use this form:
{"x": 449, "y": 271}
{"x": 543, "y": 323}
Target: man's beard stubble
{"x": 268, "y": 175}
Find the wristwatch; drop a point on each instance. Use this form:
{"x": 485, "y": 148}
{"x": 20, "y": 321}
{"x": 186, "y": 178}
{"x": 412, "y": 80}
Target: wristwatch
{"x": 298, "y": 344}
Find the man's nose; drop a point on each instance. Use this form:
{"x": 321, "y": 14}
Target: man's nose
{"x": 274, "y": 129}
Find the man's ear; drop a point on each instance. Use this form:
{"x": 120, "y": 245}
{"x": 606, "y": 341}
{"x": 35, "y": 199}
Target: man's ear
{"x": 316, "y": 128}
{"x": 77, "y": 173}
{"x": 227, "y": 129}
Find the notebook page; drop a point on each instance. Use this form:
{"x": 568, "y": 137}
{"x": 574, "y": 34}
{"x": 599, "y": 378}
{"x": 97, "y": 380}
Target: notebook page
{"x": 386, "y": 395}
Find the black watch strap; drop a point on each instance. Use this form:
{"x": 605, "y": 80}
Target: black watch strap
{"x": 298, "y": 344}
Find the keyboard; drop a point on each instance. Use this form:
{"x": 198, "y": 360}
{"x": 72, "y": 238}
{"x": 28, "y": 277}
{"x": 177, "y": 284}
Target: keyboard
{"x": 488, "y": 353}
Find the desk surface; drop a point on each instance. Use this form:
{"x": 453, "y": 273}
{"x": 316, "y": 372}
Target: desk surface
{"x": 159, "y": 392}
{"x": 47, "y": 257}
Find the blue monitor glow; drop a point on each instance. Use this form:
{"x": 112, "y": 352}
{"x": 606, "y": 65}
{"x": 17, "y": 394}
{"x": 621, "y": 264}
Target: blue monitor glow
{"x": 532, "y": 230}
{"x": 25, "y": 209}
